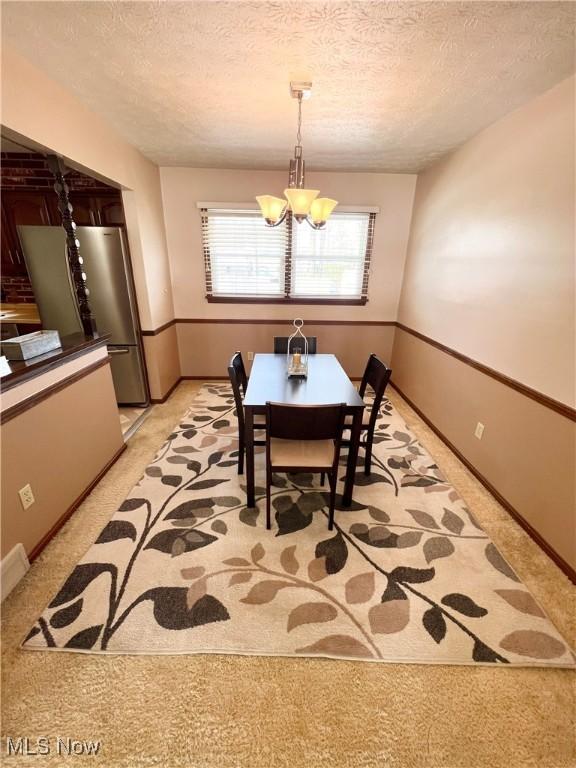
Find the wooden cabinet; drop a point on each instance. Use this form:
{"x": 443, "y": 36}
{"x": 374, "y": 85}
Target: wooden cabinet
{"x": 20, "y": 208}
{"x": 26, "y": 207}
{"x": 111, "y": 210}
{"x": 10, "y": 264}
{"x": 83, "y": 213}
{"x": 97, "y": 210}
{"x": 41, "y": 208}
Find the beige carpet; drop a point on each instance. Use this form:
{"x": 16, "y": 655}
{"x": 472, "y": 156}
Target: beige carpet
{"x": 407, "y": 574}
{"x": 264, "y": 711}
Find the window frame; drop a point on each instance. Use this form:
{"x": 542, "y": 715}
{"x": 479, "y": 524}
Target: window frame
{"x": 287, "y": 298}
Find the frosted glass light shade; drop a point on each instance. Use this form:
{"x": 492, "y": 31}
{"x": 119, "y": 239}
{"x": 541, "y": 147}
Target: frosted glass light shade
{"x": 301, "y": 200}
{"x": 272, "y": 207}
{"x": 321, "y": 209}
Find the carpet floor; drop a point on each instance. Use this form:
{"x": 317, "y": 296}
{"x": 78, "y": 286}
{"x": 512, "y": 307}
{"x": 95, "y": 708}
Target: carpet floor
{"x": 265, "y": 711}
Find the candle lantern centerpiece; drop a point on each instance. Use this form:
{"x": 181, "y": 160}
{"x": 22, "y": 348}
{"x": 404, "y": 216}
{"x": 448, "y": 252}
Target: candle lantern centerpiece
{"x": 297, "y": 352}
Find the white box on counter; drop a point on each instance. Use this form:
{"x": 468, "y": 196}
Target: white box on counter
{"x": 31, "y": 345}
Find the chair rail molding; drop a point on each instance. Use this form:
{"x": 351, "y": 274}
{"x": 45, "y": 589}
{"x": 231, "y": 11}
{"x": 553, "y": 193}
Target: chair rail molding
{"x": 562, "y": 408}
{"x": 523, "y": 389}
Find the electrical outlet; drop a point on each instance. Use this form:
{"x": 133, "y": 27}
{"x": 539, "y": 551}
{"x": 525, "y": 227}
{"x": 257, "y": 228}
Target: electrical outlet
{"x": 479, "y": 431}
{"x": 250, "y": 355}
{"x": 26, "y": 496}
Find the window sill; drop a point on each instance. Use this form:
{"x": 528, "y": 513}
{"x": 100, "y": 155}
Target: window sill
{"x": 275, "y": 300}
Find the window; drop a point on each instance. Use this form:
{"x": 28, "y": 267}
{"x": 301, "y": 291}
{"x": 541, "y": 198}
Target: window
{"x": 243, "y": 257}
{"x": 247, "y": 261}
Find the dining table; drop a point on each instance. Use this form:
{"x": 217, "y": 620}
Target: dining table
{"x": 326, "y": 382}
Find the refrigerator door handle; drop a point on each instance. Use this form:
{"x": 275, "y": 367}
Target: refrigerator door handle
{"x": 118, "y": 350}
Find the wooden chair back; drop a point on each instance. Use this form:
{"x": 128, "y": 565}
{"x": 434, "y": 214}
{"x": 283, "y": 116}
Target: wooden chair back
{"x": 281, "y": 345}
{"x": 306, "y": 422}
{"x": 239, "y": 381}
{"x": 237, "y": 363}
{"x": 377, "y": 375}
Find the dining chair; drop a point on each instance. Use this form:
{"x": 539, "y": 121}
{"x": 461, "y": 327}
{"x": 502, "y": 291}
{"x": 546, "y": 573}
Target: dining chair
{"x": 239, "y": 382}
{"x": 238, "y": 364}
{"x": 376, "y": 376}
{"x": 281, "y": 345}
{"x": 304, "y": 438}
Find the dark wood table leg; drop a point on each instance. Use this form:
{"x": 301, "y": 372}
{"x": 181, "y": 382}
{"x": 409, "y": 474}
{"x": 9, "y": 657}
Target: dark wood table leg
{"x": 249, "y": 439}
{"x": 352, "y": 457}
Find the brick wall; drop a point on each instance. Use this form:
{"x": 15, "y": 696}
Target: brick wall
{"x": 17, "y": 290}
{"x": 21, "y": 170}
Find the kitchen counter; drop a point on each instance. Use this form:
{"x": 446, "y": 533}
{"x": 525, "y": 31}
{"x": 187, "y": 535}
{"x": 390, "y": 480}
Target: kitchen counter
{"x": 72, "y": 346}
{"x": 25, "y": 314}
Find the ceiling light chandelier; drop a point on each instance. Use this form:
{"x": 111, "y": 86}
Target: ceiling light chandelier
{"x": 304, "y": 203}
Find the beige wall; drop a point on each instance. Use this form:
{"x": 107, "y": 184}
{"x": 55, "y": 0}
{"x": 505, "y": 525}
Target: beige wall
{"x": 527, "y": 452}
{"x": 47, "y": 446}
{"x": 206, "y": 348}
{"x": 41, "y": 111}
{"x": 163, "y": 361}
{"x": 490, "y": 273}
{"x": 182, "y": 188}
{"x": 490, "y": 267}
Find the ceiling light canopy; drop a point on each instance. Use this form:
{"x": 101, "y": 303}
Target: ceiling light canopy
{"x": 304, "y": 203}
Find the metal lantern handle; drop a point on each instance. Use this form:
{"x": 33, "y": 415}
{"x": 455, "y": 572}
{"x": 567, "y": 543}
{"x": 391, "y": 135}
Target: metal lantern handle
{"x": 296, "y": 336}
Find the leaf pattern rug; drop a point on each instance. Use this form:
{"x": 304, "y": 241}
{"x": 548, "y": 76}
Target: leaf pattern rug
{"x": 407, "y": 575}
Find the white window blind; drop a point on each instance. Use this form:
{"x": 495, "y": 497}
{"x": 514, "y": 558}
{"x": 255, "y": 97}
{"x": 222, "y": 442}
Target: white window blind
{"x": 243, "y": 257}
{"x": 292, "y": 262}
{"x": 329, "y": 263}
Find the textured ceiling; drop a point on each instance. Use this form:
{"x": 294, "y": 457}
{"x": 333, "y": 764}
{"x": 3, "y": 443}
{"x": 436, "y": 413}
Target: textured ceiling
{"x": 205, "y": 83}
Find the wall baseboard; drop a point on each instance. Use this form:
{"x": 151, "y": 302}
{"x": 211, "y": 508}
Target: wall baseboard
{"x": 13, "y": 569}
{"x": 206, "y": 378}
{"x": 74, "y": 506}
{"x": 160, "y": 400}
{"x": 512, "y": 511}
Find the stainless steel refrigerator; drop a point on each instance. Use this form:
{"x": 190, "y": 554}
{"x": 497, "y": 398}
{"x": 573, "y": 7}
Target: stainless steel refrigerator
{"x": 105, "y": 262}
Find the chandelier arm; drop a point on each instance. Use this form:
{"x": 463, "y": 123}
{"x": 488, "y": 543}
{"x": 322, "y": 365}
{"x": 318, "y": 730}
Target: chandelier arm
{"x": 321, "y": 225}
{"x": 280, "y": 220}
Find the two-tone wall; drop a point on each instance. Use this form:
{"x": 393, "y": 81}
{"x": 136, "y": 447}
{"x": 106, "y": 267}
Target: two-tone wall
{"x": 209, "y": 333}
{"x": 489, "y": 290}
{"x": 60, "y": 432}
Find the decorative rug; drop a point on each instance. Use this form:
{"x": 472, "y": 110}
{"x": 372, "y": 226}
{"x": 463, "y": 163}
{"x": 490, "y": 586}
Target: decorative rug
{"x": 407, "y": 574}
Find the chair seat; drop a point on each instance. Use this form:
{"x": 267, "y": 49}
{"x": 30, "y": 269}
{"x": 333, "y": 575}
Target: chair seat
{"x": 301, "y": 453}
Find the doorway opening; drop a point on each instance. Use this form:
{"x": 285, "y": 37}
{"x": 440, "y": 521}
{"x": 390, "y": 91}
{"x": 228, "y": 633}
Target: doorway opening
{"x": 35, "y": 286}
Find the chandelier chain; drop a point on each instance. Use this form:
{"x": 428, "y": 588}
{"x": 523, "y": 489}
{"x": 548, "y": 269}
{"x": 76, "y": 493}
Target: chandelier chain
{"x": 299, "y": 132}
